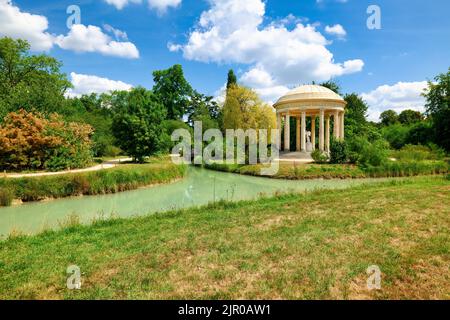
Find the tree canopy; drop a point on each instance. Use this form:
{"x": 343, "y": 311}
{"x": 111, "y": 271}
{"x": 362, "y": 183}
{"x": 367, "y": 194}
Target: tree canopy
{"x": 389, "y": 117}
{"x": 243, "y": 109}
{"x": 29, "y": 81}
{"x": 173, "y": 90}
{"x": 138, "y": 124}
{"x": 438, "y": 108}
{"x": 232, "y": 79}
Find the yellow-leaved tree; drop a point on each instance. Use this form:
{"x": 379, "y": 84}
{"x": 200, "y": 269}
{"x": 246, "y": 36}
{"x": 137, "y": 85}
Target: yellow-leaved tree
{"x": 243, "y": 109}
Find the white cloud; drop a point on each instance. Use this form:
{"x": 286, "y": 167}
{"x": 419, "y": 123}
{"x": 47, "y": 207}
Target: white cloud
{"x": 232, "y": 31}
{"x": 17, "y": 24}
{"x": 23, "y": 25}
{"x": 336, "y": 30}
{"x": 160, "y": 5}
{"x": 87, "y": 84}
{"x": 92, "y": 39}
{"x": 120, "y": 4}
{"x": 397, "y": 97}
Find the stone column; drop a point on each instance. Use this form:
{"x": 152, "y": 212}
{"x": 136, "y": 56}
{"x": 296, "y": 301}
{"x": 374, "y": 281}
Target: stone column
{"x": 313, "y": 132}
{"x": 303, "y": 144}
{"x": 342, "y": 126}
{"x": 279, "y": 130}
{"x": 297, "y": 136}
{"x": 321, "y": 130}
{"x": 336, "y": 125}
{"x": 287, "y": 132}
{"x": 327, "y": 134}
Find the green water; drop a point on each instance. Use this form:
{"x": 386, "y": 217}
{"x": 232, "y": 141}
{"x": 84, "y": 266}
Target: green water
{"x": 198, "y": 188}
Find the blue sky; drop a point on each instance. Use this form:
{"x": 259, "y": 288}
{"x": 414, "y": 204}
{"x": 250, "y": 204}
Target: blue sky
{"x": 273, "y": 45}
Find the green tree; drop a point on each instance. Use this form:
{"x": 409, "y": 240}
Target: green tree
{"x": 205, "y": 109}
{"x": 138, "y": 125}
{"x": 173, "y": 90}
{"x": 389, "y": 117}
{"x": 355, "y": 115}
{"x": 333, "y": 86}
{"x": 29, "y": 81}
{"x": 438, "y": 108}
{"x": 410, "y": 117}
{"x": 232, "y": 79}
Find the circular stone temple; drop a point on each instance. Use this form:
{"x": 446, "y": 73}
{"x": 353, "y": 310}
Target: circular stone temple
{"x": 318, "y": 103}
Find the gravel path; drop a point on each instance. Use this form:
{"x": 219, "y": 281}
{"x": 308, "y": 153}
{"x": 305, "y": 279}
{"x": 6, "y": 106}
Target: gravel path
{"x": 105, "y": 165}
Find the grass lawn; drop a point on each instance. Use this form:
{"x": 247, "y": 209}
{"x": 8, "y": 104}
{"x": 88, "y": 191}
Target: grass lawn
{"x": 315, "y": 246}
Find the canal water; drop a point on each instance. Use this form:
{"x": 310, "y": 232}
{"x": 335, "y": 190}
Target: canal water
{"x": 200, "y": 187}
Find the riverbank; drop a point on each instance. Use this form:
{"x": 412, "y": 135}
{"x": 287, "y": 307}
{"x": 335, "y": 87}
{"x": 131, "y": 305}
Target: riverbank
{"x": 294, "y": 171}
{"x": 120, "y": 177}
{"x": 311, "y": 246}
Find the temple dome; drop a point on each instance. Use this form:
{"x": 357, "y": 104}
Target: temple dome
{"x": 313, "y": 93}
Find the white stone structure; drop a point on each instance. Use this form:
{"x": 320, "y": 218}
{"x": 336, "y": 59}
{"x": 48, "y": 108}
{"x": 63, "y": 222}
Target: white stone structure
{"x": 320, "y": 104}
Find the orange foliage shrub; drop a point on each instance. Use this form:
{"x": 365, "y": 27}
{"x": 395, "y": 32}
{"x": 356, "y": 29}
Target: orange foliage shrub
{"x": 31, "y": 141}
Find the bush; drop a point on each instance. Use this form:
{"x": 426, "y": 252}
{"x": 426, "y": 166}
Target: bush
{"x": 319, "y": 156}
{"x": 338, "y": 152}
{"x": 366, "y": 153}
{"x": 32, "y": 142}
{"x": 419, "y": 153}
{"x": 396, "y": 134}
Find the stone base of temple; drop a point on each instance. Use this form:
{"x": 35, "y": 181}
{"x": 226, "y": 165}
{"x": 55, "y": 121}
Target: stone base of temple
{"x": 300, "y": 157}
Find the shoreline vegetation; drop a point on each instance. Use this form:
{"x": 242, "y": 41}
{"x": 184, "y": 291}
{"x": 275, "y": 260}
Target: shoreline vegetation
{"x": 322, "y": 252}
{"x": 123, "y": 177}
{"x": 294, "y": 171}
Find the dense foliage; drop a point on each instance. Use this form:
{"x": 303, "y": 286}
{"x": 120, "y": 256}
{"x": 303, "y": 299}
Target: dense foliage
{"x": 138, "y": 124}
{"x": 173, "y": 91}
{"x": 31, "y": 141}
{"x": 30, "y": 82}
{"x": 438, "y": 108}
{"x": 243, "y": 109}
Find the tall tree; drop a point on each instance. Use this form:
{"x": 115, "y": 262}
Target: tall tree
{"x": 243, "y": 109}
{"x": 389, "y": 117}
{"x": 173, "y": 90}
{"x": 438, "y": 107}
{"x": 138, "y": 125}
{"x": 355, "y": 115}
{"x": 29, "y": 81}
{"x": 409, "y": 117}
{"x": 232, "y": 79}
{"x": 203, "y": 108}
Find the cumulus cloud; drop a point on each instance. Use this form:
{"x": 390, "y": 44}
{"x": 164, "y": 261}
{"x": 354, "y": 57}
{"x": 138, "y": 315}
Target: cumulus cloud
{"x": 336, "y": 30}
{"x": 22, "y": 25}
{"x": 397, "y": 97}
{"x": 232, "y": 31}
{"x": 160, "y": 5}
{"x": 120, "y": 4}
{"x": 92, "y": 39}
{"x": 87, "y": 84}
